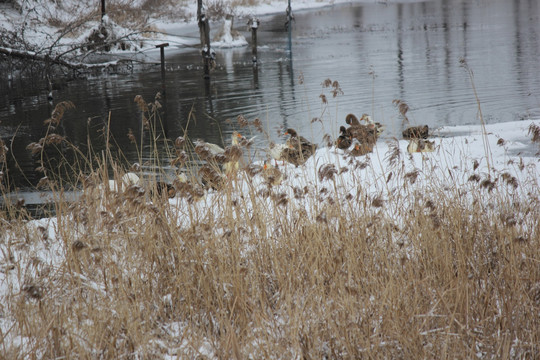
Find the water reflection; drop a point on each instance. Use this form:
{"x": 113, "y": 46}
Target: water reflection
{"x": 377, "y": 52}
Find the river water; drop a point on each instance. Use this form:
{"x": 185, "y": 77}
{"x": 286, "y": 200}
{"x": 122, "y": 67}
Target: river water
{"x": 377, "y": 52}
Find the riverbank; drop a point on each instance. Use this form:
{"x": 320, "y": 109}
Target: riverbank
{"x": 383, "y": 255}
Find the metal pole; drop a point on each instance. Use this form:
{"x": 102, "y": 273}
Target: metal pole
{"x": 162, "y": 54}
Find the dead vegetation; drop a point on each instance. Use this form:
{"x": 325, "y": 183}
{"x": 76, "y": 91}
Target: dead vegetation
{"x": 251, "y": 269}
{"x": 454, "y": 279}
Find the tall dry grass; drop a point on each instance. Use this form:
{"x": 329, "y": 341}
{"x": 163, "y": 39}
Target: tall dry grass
{"x": 427, "y": 272}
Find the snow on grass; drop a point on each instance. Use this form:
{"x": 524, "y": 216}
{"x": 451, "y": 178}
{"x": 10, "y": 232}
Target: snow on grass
{"x": 385, "y": 184}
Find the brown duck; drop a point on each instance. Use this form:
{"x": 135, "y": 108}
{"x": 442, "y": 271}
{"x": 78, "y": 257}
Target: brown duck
{"x": 360, "y": 149}
{"x": 344, "y": 140}
{"x": 368, "y": 133}
{"x": 353, "y": 121}
{"x": 299, "y": 148}
{"x": 416, "y": 132}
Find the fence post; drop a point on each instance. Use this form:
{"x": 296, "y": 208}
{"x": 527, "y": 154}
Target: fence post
{"x": 102, "y": 9}
{"x": 204, "y": 32}
{"x": 254, "y": 23}
{"x": 162, "y": 54}
{"x": 288, "y": 24}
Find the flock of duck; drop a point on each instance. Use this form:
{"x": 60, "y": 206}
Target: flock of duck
{"x": 220, "y": 164}
{"x": 358, "y": 138}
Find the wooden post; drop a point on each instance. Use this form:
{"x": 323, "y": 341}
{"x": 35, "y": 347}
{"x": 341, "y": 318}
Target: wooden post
{"x": 254, "y": 22}
{"x": 204, "y": 33}
{"x": 102, "y": 9}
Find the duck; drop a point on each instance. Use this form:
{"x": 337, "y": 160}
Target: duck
{"x": 354, "y": 122}
{"x": 370, "y": 131}
{"x": 416, "y": 132}
{"x": 360, "y": 149}
{"x": 286, "y": 153}
{"x": 344, "y": 140}
{"x": 127, "y": 180}
{"x": 277, "y": 151}
{"x": 420, "y": 145}
{"x": 300, "y": 143}
{"x": 228, "y": 157}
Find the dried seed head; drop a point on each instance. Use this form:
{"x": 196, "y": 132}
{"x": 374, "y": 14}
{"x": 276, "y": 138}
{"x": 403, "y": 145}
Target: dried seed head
{"x": 394, "y": 153}
{"x": 377, "y": 202}
{"x": 264, "y": 192}
{"x": 509, "y": 179}
{"x": 242, "y": 121}
{"x": 141, "y": 103}
{"x": 43, "y": 183}
{"x": 487, "y": 184}
{"x": 321, "y": 218}
{"x": 34, "y": 148}
{"x": 78, "y": 245}
{"x": 402, "y": 106}
{"x": 58, "y": 113}
{"x": 412, "y": 176}
{"x": 254, "y": 169}
{"x": 131, "y": 137}
{"x": 534, "y": 130}
{"x": 179, "y": 142}
{"x": 53, "y": 139}
{"x": 3, "y": 151}
{"x": 33, "y": 291}
{"x": 280, "y": 199}
{"x": 258, "y": 125}
{"x": 430, "y": 205}
{"x": 181, "y": 158}
{"x": 327, "y": 172}
{"x": 211, "y": 177}
{"x": 202, "y": 150}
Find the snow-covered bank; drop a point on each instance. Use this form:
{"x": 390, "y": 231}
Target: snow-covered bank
{"x": 495, "y": 171}
{"x": 45, "y": 24}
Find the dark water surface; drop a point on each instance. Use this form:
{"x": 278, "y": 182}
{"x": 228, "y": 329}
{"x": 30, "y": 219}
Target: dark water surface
{"x": 377, "y": 52}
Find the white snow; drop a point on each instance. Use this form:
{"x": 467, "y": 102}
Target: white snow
{"x": 450, "y": 166}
